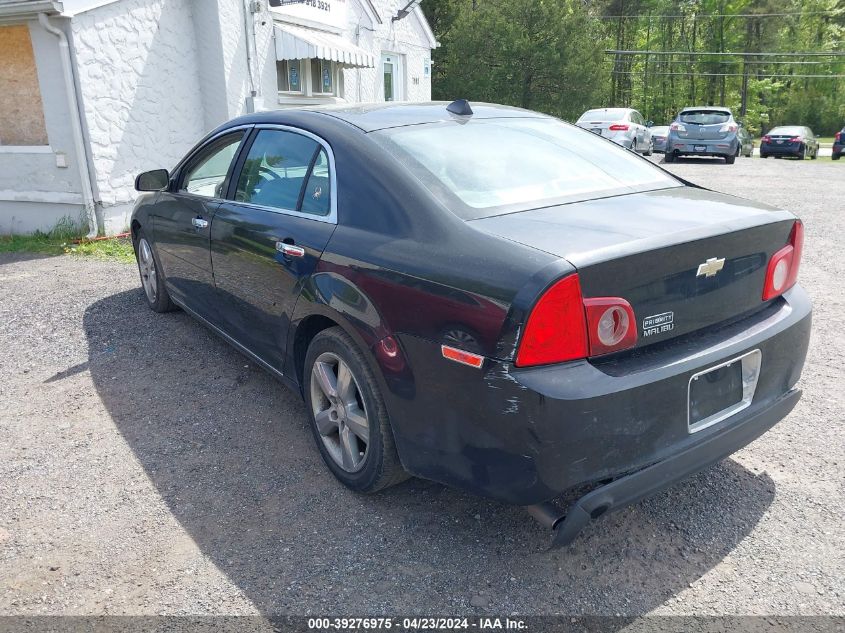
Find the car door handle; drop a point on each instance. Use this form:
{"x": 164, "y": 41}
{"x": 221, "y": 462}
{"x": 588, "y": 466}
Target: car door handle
{"x": 290, "y": 250}
{"x": 200, "y": 223}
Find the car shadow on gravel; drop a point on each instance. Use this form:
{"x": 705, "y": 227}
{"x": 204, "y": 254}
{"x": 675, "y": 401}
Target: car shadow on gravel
{"x": 228, "y": 450}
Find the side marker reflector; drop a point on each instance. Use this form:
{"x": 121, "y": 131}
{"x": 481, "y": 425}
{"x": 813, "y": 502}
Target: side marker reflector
{"x": 462, "y": 357}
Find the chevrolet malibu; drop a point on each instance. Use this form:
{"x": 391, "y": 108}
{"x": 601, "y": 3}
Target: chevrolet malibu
{"x": 484, "y": 296}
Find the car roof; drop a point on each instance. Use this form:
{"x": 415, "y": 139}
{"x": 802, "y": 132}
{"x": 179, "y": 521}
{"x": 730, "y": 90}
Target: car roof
{"x": 378, "y": 116}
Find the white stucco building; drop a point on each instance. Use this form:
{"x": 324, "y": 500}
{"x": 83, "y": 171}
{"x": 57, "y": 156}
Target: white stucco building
{"x": 92, "y": 92}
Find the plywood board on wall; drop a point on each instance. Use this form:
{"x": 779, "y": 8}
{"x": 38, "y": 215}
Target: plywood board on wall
{"x": 21, "y": 109}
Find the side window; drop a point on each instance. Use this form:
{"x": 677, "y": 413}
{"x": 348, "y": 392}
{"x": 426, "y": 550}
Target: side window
{"x": 276, "y": 168}
{"x": 316, "y": 199}
{"x": 206, "y": 175}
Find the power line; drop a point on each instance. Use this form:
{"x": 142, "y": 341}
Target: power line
{"x": 613, "y": 51}
{"x": 698, "y": 74}
{"x": 832, "y": 12}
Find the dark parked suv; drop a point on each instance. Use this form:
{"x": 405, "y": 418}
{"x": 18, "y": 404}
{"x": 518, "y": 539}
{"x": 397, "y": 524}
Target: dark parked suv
{"x": 838, "y": 145}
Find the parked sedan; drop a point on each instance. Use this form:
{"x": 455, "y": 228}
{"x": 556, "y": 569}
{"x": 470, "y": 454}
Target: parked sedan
{"x": 623, "y": 126}
{"x": 746, "y": 143}
{"x": 838, "y": 148}
{"x": 483, "y": 296}
{"x": 796, "y": 141}
{"x": 703, "y": 131}
{"x": 659, "y": 135}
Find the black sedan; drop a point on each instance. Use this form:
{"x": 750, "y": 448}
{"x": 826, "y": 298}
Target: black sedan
{"x": 796, "y": 141}
{"x": 484, "y": 296}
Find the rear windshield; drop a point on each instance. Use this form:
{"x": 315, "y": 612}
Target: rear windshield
{"x": 659, "y": 131}
{"x": 488, "y": 167}
{"x": 611, "y": 114}
{"x": 787, "y": 131}
{"x": 705, "y": 117}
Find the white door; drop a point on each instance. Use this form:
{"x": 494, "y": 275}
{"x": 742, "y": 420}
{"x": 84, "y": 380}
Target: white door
{"x": 391, "y": 69}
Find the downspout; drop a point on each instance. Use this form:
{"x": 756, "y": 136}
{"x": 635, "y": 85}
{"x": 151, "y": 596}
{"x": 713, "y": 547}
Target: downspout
{"x": 75, "y": 123}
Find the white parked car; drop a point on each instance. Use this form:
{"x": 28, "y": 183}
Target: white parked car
{"x": 624, "y": 126}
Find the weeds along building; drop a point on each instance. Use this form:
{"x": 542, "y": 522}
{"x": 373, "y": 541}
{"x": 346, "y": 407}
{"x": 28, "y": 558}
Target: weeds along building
{"x": 92, "y": 92}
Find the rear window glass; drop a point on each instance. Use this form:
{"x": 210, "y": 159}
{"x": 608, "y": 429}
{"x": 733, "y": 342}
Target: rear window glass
{"x": 659, "y": 131}
{"x": 705, "y": 117}
{"x": 490, "y": 166}
{"x": 612, "y": 114}
{"x": 787, "y": 131}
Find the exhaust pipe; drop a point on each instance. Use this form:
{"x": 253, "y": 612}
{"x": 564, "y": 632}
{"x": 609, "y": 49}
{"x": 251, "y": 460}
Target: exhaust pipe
{"x": 548, "y": 515}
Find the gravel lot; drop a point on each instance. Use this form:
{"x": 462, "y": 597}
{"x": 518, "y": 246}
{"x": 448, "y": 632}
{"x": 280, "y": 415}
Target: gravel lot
{"x": 148, "y": 468}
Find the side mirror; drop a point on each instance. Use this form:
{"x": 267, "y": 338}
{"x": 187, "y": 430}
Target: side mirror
{"x": 649, "y": 123}
{"x": 740, "y": 123}
{"x": 154, "y": 180}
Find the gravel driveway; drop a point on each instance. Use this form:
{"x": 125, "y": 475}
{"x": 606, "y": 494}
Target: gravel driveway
{"x": 148, "y": 468}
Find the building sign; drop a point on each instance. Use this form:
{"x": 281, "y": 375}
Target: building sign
{"x": 331, "y": 13}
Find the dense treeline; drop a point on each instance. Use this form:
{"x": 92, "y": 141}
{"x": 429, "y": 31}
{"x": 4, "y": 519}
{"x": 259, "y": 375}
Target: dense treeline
{"x": 550, "y": 55}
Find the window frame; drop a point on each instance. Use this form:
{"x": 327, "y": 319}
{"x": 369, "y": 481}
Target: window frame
{"x": 180, "y": 172}
{"x": 308, "y": 94}
{"x": 238, "y": 164}
{"x": 291, "y": 93}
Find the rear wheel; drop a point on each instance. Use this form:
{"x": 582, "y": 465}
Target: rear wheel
{"x": 670, "y": 157}
{"x": 764, "y": 155}
{"x": 730, "y": 159}
{"x": 152, "y": 276}
{"x": 835, "y": 156}
{"x": 815, "y": 154}
{"x": 802, "y": 153}
{"x": 348, "y": 416}
{"x": 650, "y": 149}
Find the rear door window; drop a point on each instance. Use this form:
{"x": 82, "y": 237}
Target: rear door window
{"x": 276, "y": 168}
{"x": 705, "y": 117}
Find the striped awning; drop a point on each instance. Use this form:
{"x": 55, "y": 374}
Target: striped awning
{"x": 293, "y": 42}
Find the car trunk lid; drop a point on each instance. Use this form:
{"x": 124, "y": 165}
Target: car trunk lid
{"x": 684, "y": 258}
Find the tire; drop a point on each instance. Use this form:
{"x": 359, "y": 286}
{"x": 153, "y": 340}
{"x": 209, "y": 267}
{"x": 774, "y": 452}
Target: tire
{"x": 152, "y": 275}
{"x": 814, "y": 155}
{"x": 802, "y": 153}
{"x": 730, "y": 160}
{"x": 764, "y": 155}
{"x": 351, "y": 419}
{"x": 650, "y": 149}
{"x": 670, "y": 157}
{"x": 835, "y": 156}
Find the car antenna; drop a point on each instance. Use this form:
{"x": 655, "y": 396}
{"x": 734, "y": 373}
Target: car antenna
{"x": 460, "y": 107}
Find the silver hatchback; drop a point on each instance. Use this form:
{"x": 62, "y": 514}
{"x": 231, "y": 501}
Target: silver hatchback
{"x": 703, "y": 131}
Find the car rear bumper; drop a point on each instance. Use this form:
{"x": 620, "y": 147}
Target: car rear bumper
{"x": 527, "y": 435}
{"x": 780, "y": 150}
{"x": 838, "y": 150}
{"x": 652, "y": 479}
{"x": 719, "y": 147}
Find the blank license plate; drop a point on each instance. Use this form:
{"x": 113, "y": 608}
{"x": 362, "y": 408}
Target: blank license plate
{"x": 720, "y": 392}
{"x": 700, "y": 148}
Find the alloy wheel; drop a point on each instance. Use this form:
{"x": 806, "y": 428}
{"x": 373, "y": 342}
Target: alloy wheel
{"x": 147, "y": 267}
{"x": 339, "y": 412}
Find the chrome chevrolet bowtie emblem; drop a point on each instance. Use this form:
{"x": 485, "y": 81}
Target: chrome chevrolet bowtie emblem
{"x": 710, "y": 267}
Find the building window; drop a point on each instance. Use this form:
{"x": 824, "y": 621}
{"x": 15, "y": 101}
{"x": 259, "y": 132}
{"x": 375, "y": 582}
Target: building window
{"x": 289, "y": 73}
{"x": 322, "y": 76}
{"x": 21, "y": 108}
{"x": 309, "y": 78}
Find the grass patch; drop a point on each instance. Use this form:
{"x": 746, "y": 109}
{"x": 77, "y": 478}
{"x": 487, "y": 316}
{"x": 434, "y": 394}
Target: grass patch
{"x": 66, "y": 237}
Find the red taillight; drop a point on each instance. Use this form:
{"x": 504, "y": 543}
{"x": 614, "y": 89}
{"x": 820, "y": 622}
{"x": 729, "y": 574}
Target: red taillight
{"x": 837, "y": 137}
{"x": 618, "y": 127}
{"x": 795, "y": 139}
{"x": 678, "y": 127}
{"x": 556, "y": 330}
{"x": 564, "y": 326}
{"x": 782, "y": 271}
{"x": 611, "y": 325}
{"x": 728, "y": 127}
{"x": 766, "y": 139}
